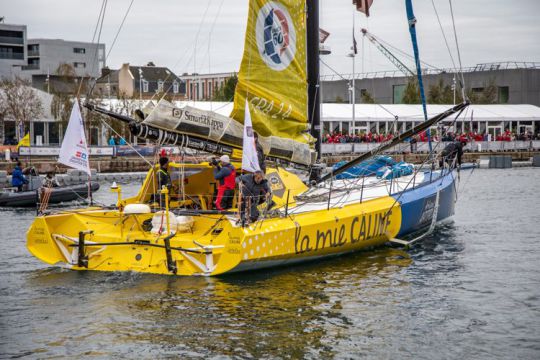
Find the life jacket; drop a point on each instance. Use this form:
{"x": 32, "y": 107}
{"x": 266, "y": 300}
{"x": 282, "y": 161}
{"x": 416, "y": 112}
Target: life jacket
{"x": 229, "y": 181}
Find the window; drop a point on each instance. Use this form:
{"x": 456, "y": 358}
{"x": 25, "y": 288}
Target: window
{"x": 145, "y": 86}
{"x": 175, "y": 87}
{"x": 33, "y": 50}
{"x": 503, "y": 94}
{"x": 79, "y": 50}
{"x": 160, "y": 86}
{"x": 54, "y": 137}
{"x": 39, "y": 133}
{"x": 398, "y": 91}
{"x": 210, "y": 89}
{"x": 79, "y": 65}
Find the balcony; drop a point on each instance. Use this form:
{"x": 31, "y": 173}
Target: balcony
{"x": 11, "y": 56}
{"x": 30, "y": 67}
{"x": 33, "y": 53}
{"x": 11, "y": 40}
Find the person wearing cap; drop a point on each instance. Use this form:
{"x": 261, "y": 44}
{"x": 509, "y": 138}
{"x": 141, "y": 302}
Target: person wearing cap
{"x": 225, "y": 173}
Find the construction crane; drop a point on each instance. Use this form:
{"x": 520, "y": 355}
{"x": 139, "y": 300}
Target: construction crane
{"x": 394, "y": 60}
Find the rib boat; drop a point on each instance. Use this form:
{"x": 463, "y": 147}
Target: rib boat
{"x": 308, "y": 219}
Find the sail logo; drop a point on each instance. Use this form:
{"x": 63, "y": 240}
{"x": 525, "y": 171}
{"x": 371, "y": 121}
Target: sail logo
{"x": 276, "y": 36}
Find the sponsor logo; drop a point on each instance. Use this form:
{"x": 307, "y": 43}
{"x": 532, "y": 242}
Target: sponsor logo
{"x": 276, "y": 36}
{"x": 276, "y": 184}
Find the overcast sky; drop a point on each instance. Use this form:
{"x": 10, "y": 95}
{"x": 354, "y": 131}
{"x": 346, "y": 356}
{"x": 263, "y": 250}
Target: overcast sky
{"x": 165, "y": 31}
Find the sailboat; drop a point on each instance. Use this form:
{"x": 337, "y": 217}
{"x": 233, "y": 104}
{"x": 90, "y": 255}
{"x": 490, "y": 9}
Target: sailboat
{"x": 278, "y": 89}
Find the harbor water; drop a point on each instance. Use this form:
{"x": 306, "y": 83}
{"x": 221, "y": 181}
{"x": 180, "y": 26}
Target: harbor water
{"x": 471, "y": 290}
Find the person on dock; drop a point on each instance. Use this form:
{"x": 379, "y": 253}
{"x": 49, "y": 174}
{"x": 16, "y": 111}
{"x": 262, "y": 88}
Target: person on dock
{"x": 452, "y": 154}
{"x": 225, "y": 173}
{"x": 260, "y": 153}
{"x": 17, "y": 177}
{"x": 255, "y": 191}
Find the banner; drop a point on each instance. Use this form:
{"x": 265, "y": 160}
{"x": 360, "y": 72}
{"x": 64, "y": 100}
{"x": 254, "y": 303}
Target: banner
{"x": 74, "y": 151}
{"x": 250, "y": 162}
{"x": 273, "y": 77}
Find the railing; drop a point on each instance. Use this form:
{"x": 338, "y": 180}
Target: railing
{"x": 433, "y": 71}
{"x": 11, "y": 56}
{"x": 31, "y": 67}
{"x": 33, "y": 52}
{"x": 11, "y": 40}
{"x": 423, "y": 147}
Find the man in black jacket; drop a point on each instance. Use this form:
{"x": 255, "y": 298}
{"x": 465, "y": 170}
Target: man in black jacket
{"x": 452, "y": 151}
{"x": 255, "y": 191}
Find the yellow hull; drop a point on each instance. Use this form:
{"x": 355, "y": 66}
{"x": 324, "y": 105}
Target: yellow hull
{"x": 210, "y": 249}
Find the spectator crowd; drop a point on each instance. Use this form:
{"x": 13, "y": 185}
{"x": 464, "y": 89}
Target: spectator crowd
{"x": 338, "y": 137}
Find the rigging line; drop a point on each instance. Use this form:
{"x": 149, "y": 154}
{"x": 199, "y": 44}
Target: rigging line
{"x": 119, "y": 29}
{"x": 403, "y": 52}
{"x": 112, "y": 45}
{"x": 208, "y": 50}
{"x": 127, "y": 142}
{"x": 343, "y": 78}
{"x": 193, "y": 56}
{"x": 99, "y": 24}
{"x": 444, "y": 35}
{"x": 197, "y": 37}
{"x": 457, "y": 48}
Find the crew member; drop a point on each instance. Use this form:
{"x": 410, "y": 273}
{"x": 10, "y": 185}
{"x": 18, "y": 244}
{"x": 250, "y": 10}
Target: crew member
{"x": 17, "y": 177}
{"x": 260, "y": 153}
{"x": 164, "y": 178}
{"x": 452, "y": 151}
{"x": 225, "y": 173}
{"x": 255, "y": 191}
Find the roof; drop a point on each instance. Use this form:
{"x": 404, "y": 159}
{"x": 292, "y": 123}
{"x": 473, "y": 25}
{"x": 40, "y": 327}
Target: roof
{"x": 374, "y": 112}
{"x": 153, "y": 73}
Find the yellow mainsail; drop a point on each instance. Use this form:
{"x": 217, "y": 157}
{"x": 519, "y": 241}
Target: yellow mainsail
{"x": 273, "y": 70}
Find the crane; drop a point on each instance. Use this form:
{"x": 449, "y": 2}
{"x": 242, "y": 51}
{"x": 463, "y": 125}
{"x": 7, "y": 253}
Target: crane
{"x": 394, "y": 60}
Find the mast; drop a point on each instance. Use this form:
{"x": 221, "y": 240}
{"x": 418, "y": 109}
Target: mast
{"x": 313, "y": 70}
{"x": 412, "y": 30}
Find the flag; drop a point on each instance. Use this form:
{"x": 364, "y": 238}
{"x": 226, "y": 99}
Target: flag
{"x": 250, "y": 162}
{"x": 25, "y": 141}
{"x": 323, "y": 35}
{"x": 354, "y": 47}
{"x": 74, "y": 151}
{"x": 363, "y": 5}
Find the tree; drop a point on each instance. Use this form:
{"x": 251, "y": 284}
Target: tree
{"x": 226, "y": 91}
{"x": 339, "y": 100}
{"x": 411, "y": 94}
{"x": 439, "y": 93}
{"x": 366, "y": 97}
{"x": 19, "y": 102}
{"x": 489, "y": 94}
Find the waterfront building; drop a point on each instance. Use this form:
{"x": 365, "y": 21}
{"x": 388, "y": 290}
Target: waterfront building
{"x": 509, "y": 82}
{"x": 45, "y": 57}
{"x": 13, "y": 45}
{"x": 203, "y": 87}
{"x": 140, "y": 82}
